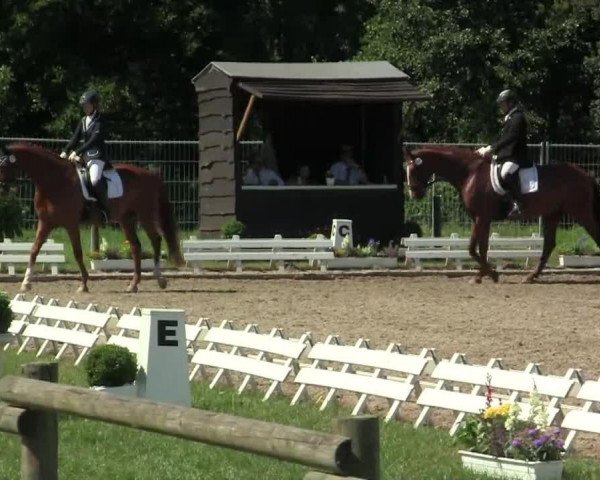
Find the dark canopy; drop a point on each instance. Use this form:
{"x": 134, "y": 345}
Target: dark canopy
{"x": 343, "y": 81}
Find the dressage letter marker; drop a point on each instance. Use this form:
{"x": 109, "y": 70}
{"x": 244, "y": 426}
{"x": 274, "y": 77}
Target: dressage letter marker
{"x": 162, "y": 358}
{"x": 166, "y": 335}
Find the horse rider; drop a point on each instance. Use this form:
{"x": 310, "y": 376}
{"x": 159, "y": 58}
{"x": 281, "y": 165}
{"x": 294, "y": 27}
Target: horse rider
{"x": 511, "y": 148}
{"x": 91, "y": 132}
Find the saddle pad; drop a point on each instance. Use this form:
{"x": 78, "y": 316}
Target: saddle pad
{"x": 113, "y": 180}
{"x": 528, "y": 179}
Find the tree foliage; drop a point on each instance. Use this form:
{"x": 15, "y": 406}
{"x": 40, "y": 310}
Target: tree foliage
{"x": 142, "y": 54}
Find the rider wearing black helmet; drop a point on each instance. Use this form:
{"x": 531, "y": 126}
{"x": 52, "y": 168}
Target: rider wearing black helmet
{"x": 511, "y": 148}
{"x": 90, "y": 134}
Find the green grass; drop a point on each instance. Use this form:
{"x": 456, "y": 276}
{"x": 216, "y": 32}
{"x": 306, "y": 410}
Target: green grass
{"x": 98, "y": 451}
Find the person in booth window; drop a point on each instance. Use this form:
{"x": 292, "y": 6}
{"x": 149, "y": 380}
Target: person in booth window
{"x": 511, "y": 148}
{"x": 258, "y": 174}
{"x": 346, "y": 171}
{"x": 88, "y": 142}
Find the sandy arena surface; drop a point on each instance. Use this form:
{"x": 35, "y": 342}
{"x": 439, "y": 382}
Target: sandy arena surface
{"x": 555, "y": 322}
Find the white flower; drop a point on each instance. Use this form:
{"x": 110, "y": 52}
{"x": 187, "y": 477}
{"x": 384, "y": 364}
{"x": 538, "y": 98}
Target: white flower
{"x": 513, "y": 416}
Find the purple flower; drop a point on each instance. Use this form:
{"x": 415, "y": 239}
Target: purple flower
{"x": 559, "y": 443}
{"x": 532, "y": 432}
{"x": 517, "y": 443}
{"x": 540, "y": 442}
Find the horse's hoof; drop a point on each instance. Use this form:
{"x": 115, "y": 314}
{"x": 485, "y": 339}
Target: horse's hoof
{"x": 162, "y": 282}
{"x": 475, "y": 281}
{"x": 82, "y": 289}
{"x": 25, "y": 287}
{"x": 529, "y": 279}
{"x": 132, "y": 289}
{"x": 494, "y": 276}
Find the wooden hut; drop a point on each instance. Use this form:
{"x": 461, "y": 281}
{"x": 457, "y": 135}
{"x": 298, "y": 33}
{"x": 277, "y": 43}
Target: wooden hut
{"x": 308, "y": 114}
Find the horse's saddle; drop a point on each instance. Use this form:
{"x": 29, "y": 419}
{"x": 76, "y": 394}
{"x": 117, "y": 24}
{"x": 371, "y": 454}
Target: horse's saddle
{"x": 113, "y": 182}
{"x": 528, "y": 179}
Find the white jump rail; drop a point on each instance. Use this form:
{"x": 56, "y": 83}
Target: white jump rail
{"x": 17, "y": 253}
{"x": 374, "y": 383}
{"x": 131, "y": 323}
{"x": 260, "y": 365}
{"x": 74, "y": 328}
{"x": 445, "y": 395}
{"x": 22, "y": 310}
{"x": 584, "y": 419}
{"x": 276, "y": 250}
{"x": 457, "y": 248}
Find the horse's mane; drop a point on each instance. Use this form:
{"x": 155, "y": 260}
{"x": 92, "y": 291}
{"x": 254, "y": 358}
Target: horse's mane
{"x": 467, "y": 154}
{"x": 39, "y": 151}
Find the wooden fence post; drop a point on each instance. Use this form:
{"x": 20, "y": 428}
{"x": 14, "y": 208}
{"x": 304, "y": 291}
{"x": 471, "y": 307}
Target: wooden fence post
{"x": 363, "y": 431}
{"x": 39, "y": 449}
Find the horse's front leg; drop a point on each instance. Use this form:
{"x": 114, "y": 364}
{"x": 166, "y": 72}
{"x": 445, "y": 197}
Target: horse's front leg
{"x": 75, "y": 238}
{"x": 41, "y": 235}
{"x": 480, "y": 238}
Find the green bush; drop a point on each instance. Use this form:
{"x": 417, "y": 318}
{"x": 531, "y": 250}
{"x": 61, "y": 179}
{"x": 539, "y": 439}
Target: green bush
{"x": 110, "y": 366}
{"x": 5, "y": 312}
{"x": 231, "y": 228}
{"x": 11, "y": 216}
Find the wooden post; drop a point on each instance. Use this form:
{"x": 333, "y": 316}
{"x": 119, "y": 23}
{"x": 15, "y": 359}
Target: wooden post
{"x": 363, "y": 432}
{"x": 94, "y": 238}
{"x": 245, "y": 118}
{"x": 39, "y": 449}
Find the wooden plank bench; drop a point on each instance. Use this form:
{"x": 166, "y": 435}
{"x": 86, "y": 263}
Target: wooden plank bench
{"x": 260, "y": 365}
{"x": 52, "y": 326}
{"x": 276, "y": 250}
{"x": 516, "y": 383}
{"x": 457, "y": 248}
{"x": 374, "y": 383}
{"x": 129, "y": 323}
{"x": 17, "y": 253}
{"x": 584, "y": 419}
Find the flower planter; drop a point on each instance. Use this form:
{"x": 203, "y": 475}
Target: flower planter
{"x": 127, "y": 390}
{"x": 510, "y": 468}
{"x": 361, "y": 262}
{"x": 121, "y": 264}
{"x": 579, "y": 261}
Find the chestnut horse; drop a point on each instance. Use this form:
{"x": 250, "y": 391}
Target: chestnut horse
{"x": 564, "y": 189}
{"x": 59, "y": 202}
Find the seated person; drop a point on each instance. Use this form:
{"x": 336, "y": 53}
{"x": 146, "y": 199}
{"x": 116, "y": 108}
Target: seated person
{"x": 258, "y": 174}
{"x": 346, "y": 171}
{"x": 302, "y": 178}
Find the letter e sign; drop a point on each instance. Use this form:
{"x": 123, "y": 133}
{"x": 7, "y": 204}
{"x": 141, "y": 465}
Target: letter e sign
{"x": 166, "y": 333}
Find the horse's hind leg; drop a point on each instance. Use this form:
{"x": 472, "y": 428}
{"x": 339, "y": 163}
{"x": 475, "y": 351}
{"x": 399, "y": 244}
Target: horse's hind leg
{"x": 155, "y": 239}
{"x": 550, "y": 224}
{"x": 43, "y": 230}
{"x": 128, "y": 224}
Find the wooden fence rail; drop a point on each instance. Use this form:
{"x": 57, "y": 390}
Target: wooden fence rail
{"x": 32, "y": 406}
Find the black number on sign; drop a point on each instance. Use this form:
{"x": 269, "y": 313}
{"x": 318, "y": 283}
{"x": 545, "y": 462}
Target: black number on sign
{"x": 166, "y": 329}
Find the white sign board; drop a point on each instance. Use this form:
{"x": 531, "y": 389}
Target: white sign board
{"x": 162, "y": 358}
{"x": 339, "y": 229}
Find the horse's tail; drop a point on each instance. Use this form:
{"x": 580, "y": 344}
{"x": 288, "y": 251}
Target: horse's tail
{"x": 169, "y": 228}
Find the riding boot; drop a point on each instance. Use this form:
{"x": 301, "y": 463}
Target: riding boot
{"x": 101, "y": 191}
{"x": 514, "y": 194}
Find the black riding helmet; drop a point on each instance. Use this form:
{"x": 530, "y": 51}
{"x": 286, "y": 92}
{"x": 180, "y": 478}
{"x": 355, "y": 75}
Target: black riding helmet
{"x": 90, "y": 96}
{"x": 507, "y": 96}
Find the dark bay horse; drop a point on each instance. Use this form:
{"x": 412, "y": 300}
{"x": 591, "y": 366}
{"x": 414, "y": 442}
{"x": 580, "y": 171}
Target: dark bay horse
{"x": 59, "y": 202}
{"x": 563, "y": 189}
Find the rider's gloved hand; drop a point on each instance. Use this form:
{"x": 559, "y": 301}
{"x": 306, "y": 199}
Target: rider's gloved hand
{"x": 483, "y": 151}
{"x": 63, "y": 155}
{"x": 73, "y": 157}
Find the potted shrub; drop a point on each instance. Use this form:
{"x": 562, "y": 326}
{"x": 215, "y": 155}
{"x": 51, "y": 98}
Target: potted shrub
{"x": 6, "y": 313}
{"x": 233, "y": 228}
{"x": 113, "y": 369}
{"x": 329, "y": 179}
{"x": 111, "y": 259}
{"x": 501, "y": 443}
